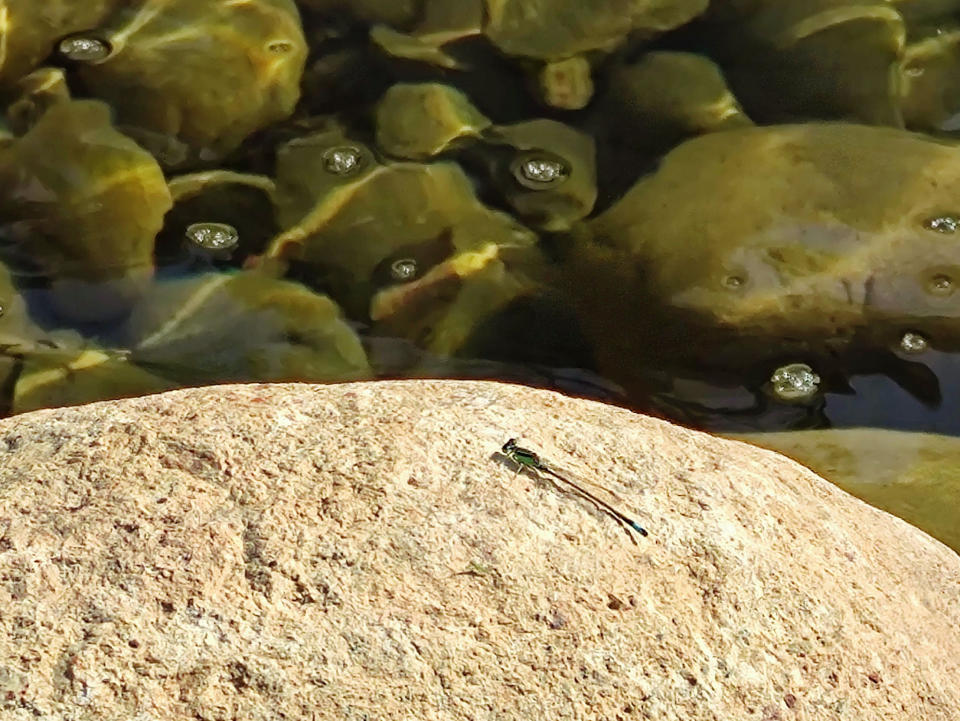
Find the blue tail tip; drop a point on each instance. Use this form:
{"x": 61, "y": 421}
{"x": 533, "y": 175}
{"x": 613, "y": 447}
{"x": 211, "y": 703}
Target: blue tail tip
{"x": 638, "y": 529}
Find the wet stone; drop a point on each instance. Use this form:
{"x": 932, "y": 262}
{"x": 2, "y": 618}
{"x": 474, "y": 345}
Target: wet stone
{"x": 794, "y": 382}
{"x": 213, "y": 236}
{"x": 566, "y": 84}
{"x": 913, "y": 342}
{"x": 84, "y": 48}
{"x": 343, "y": 160}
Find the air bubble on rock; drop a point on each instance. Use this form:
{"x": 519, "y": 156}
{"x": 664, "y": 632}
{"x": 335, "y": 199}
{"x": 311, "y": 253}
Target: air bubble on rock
{"x": 795, "y": 381}
{"x": 403, "y": 269}
{"x": 943, "y": 224}
{"x": 940, "y": 284}
{"x": 913, "y": 342}
{"x": 343, "y": 160}
{"x": 213, "y": 236}
{"x": 540, "y": 171}
{"x": 84, "y": 48}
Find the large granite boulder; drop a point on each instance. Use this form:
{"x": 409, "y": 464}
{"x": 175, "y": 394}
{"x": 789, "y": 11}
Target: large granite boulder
{"x": 362, "y": 551}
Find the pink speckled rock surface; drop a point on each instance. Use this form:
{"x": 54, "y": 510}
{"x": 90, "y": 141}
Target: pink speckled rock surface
{"x": 361, "y": 551}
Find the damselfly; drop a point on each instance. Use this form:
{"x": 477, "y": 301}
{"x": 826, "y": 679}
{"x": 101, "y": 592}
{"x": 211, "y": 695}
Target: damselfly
{"x": 525, "y": 458}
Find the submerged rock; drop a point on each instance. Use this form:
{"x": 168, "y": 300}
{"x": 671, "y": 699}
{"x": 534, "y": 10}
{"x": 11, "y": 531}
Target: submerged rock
{"x": 399, "y": 13}
{"x": 52, "y": 377}
{"x": 915, "y": 476}
{"x": 827, "y": 59}
{"x": 239, "y": 204}
{"x": 545, "y": 170}
{"x": 408, "y": 246}
{"x": 667, "y": 96}
{"x": 29, "y": 30}
{"x": 242, "y": 326}
{"x": 420, "y": 120}
{"x": 811, "y": 229}
{"x": 929, "y": 85}
{"x": 191, "y": 80}
{"x": 84, "y": 203}
{"x": 39, "y": 90}
{"x": 443, "y": 22}
{"x": 558, "y": 29}
{"x": 565, "y": 84}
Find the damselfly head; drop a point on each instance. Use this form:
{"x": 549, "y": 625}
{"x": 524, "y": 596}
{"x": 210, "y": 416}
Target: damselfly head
{"x": 509, "y": 445}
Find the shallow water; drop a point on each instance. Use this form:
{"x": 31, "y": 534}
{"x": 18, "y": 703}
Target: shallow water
{"x": 741, "y": 218}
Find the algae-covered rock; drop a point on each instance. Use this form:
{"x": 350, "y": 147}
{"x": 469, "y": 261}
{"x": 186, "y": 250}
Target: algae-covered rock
{"x": 814, "y": 58}
{"x": 17, "y": 329}
{"x": 557, "y": 29}
{"x": 546, "y": 171}
{"x": 406, "y": 245}
{"x": 317, "y": 165}
{"x": 241, "y": 204}
{"x": 930, "y": 82}
{"x": 30, "y": 29}
{"x": 666, "y": 96}
{"x": 83, "y": 202}
{"x": 565, "y": 84}
{"x": 39, "y": 90}
{"x": 818, "y": 229}
{"x": 191, "y": 80}
{"x": 66, "y": 376}
{"x": 420, "y": 120}
{"x": 923, "y": 11}
{"x": 443, "y": 22}
{"x": 242, "y": 326}
{"x": 915, "y": 476}
{"x": 543, "y": 30}
{"x": 6, "y": 134}
{"x": 397, "y": 13}
{"x": 18, "y": 332}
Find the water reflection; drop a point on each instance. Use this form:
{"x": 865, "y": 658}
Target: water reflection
{"x": 915, "y": 476}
